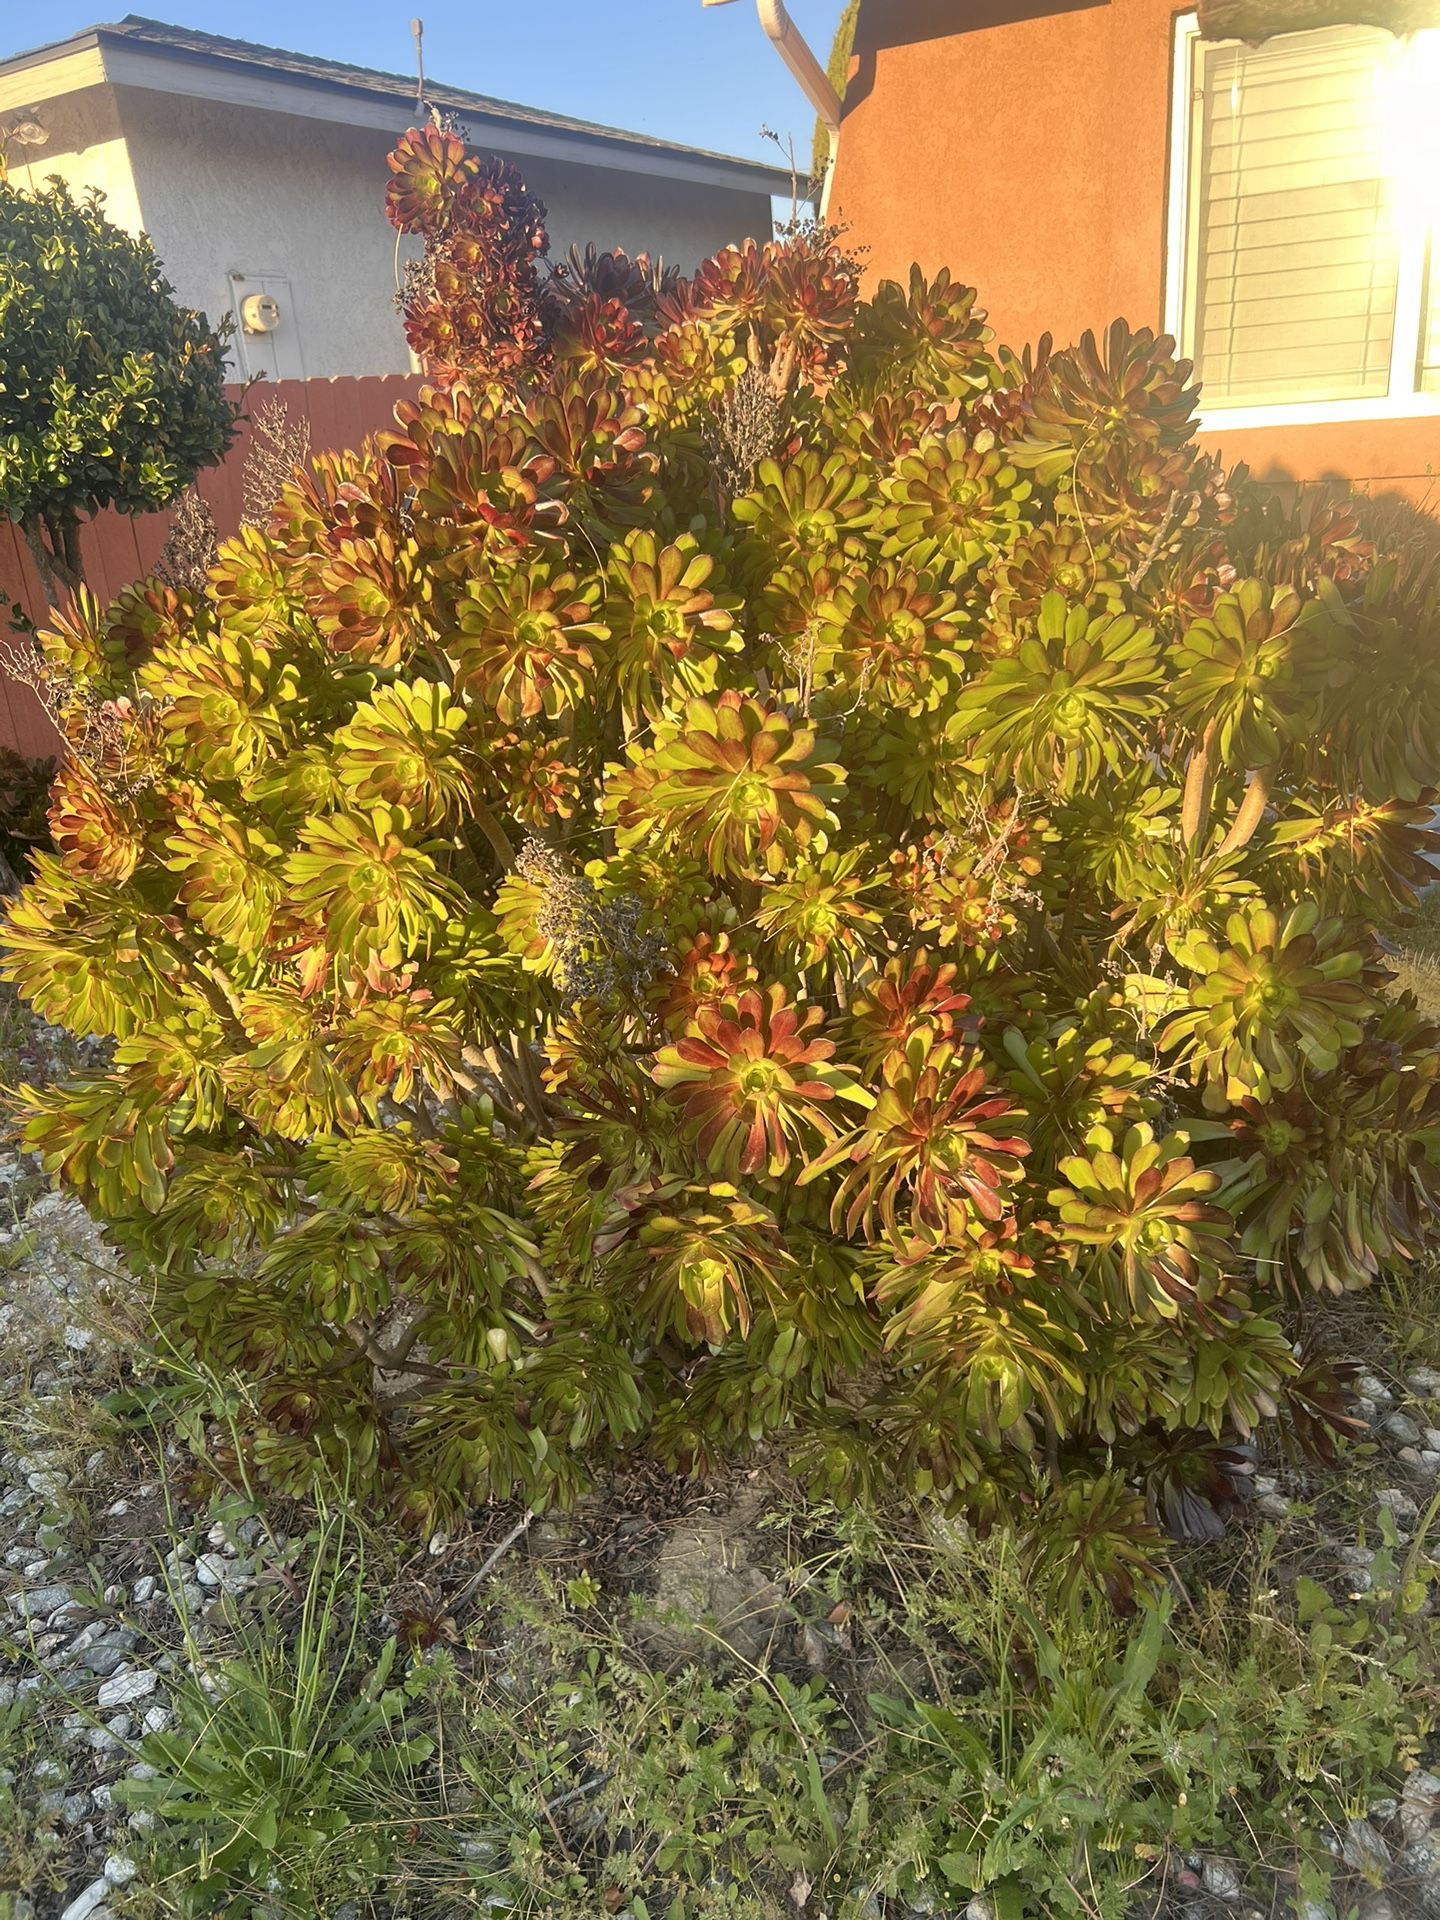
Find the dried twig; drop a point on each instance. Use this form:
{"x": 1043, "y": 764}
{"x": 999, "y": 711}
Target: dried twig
{"x": 487, "y": 1566}
{"x": 278, "y": 446}
{"x": 190, "y": 545}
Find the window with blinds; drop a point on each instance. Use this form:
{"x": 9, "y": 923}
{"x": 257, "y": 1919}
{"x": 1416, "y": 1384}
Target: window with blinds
{"x": 1302, "y": 280}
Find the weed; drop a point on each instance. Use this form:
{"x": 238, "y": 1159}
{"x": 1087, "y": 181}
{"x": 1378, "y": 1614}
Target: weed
{"x": 32, "y": 1854}
{"x": 966, "y": 1730}
{"x": 268, "y": 1786}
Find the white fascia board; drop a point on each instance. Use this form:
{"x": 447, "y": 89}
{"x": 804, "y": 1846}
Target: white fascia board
{"x": 32, "y": 86}
{"x": 237, "y": 86}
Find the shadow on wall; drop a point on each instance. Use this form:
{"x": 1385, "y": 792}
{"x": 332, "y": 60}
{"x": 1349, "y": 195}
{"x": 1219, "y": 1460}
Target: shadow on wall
{"x": 904, "y": 23}
{"x": 1410, "y": 504}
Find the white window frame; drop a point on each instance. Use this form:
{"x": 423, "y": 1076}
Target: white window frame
{"x": 1402, "y": 402}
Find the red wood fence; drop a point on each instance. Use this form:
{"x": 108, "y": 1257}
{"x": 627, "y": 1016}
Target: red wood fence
{"x": 117, "y": 550}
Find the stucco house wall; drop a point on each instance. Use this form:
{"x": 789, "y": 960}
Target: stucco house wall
{"x": 1040, "y": 138}
{"x": 225, "y": 188}
{"x": 254, "y": 170}
{"x": 1028, "y": 153}
{"x": 666, "y": 218}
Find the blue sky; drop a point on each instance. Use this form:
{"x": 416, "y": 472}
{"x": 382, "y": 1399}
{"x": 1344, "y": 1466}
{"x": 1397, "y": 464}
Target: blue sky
{"x": 665, "y": 67}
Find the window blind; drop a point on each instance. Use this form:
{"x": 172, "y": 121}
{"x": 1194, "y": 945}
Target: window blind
{"x": 1294, "y": 247}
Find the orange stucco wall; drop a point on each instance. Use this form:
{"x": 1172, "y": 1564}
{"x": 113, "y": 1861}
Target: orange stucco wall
{"x": 1027, "y": 150}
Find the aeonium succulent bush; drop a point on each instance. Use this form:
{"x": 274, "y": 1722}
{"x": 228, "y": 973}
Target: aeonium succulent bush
{"x": 757, "y": 866}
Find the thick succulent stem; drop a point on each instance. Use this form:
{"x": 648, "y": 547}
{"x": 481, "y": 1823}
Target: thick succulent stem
{"x": 1249, "y": 813}
{"x": 494, "y": 834}
{"x": 1195, "y": 801}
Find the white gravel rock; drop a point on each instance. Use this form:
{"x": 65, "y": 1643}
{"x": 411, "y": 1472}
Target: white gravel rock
{"x": 120, "y": 1869}
{"x": 136, "y": 1683}
{"x": 34, "y": 1462}
{"x": 1419, "y": 1805}
{"x": 231, "y": 1576}
{"x": 105, "y": 1658}
{"x": 1402, "y": 1505}
{"x": 38, "y": 1603}
{"x": 86, "y": 1903}
{"x": 1221, "y": 1879}
{"x": 1364, "y": 1850}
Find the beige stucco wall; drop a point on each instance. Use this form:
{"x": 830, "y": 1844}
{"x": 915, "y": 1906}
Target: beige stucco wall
{"x": 224, "y": 189}
{"x": 86, "y": 148}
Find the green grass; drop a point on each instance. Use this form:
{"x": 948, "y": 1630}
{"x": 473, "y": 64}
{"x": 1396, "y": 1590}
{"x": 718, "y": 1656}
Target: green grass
{"x": 287, "y": 1748}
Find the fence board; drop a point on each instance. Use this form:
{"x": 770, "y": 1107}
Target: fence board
{"x": 116, "y": 549}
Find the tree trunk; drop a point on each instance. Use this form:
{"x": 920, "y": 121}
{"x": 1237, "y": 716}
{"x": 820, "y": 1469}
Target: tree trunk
{"x": 55, "y": 549}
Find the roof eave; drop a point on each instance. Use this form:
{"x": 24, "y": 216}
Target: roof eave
{"x": 126, "y": 61}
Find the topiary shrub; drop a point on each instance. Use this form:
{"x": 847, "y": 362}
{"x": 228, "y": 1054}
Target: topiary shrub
{"x": 756, "y": 867}
{"x": 114, "y": 394}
